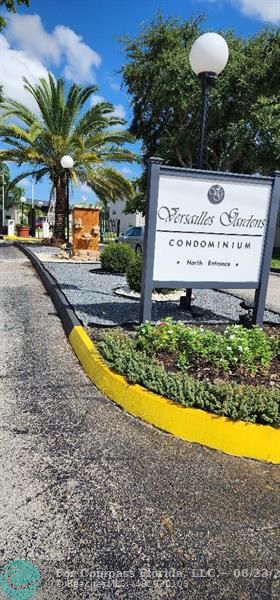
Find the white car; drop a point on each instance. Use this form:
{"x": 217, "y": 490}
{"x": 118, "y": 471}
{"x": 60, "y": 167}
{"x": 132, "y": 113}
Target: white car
{"x": 134, "y": 237}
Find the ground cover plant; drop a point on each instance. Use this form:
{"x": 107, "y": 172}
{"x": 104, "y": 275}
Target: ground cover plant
{"x": 234, "y": 373}
{"x": 251, "y": 349}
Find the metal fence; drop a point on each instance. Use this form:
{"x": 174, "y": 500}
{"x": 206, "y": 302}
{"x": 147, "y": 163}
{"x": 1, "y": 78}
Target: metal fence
{"x": 109, "y": 229}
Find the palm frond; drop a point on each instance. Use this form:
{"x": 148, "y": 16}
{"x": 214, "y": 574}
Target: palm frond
{"x": 106, "y": 182}
{"x": 13, "y": 108}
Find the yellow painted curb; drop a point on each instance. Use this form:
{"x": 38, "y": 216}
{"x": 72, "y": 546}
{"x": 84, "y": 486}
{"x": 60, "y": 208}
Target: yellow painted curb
{"x": 261, "y": 442}
{"x": 15, "y": 238}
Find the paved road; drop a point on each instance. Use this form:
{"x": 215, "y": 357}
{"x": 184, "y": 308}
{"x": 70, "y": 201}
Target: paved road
{"x": 273, "y": 293}
{"x": 106, "y": 506}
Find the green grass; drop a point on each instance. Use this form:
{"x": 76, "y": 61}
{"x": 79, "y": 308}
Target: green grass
{"x": 109, "y": 237}
{"x": 275, "y": 263}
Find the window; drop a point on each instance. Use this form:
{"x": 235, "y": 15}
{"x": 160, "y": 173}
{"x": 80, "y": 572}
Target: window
{"x": 130, "y": 232}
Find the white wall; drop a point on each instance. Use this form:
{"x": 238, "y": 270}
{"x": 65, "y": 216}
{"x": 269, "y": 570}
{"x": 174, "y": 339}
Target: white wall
{"x": 126, "y": 221}
{"x": 12, "y": 213}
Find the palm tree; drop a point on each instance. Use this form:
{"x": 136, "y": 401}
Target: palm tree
{"x": 61, "y": 125}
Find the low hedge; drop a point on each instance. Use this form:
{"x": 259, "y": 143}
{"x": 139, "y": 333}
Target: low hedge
{"x": 255, "y": 404}
{"x": 134, "y": 276}
{"x": 134, "y": 273}
{"x": 115, "y": 258}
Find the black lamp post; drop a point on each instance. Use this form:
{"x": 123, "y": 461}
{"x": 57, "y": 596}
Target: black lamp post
{"x": 67, "y": 163}
{"x": 22, "y": 201}
{"x": 208, "y": 57}
{"x": 32, "y": 212}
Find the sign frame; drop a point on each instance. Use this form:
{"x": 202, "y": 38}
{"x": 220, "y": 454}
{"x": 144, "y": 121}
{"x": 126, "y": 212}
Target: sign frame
{"x": 156, "y": 168}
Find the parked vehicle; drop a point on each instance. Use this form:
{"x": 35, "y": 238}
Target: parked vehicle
{"x": 134, "y": 237}
{"x": 39, "y": 222}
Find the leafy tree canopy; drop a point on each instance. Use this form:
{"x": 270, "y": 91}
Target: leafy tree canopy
{"x": 244, "y": 111}
{"x": 11, "y": 6}
{"x": 13, "y": 193}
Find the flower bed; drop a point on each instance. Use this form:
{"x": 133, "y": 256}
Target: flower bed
{"x": 202, "y": 368}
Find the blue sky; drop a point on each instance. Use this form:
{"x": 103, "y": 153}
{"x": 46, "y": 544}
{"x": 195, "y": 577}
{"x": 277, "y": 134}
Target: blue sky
{"x": 78, "y": 39}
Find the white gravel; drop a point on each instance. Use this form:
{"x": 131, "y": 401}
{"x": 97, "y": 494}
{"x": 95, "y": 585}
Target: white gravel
{"x": 92, "y": 294}
{"x": 126, "y": 292}
{"x": 51, "y": 254}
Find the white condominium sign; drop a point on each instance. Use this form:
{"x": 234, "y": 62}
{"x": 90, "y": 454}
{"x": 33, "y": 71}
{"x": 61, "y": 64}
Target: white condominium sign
{"x": 206, "y": 229}
{"x": 209, "y": 231}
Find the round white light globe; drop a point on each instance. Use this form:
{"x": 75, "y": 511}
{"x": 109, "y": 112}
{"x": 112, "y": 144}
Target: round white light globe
{"x": 23, "y": 199}
{"x": 67, "y": 162}
{"x": 209, "y": 54}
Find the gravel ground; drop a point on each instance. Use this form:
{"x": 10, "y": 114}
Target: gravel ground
{"x": 91, "y": 293}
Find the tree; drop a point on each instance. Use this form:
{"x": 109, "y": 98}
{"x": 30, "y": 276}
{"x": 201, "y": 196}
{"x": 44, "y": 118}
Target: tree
{"x": 62, "y": 126}
{"x": 13, "y": 193}
{"x": 11, "y": 7}
{"x": 243, "y": 116}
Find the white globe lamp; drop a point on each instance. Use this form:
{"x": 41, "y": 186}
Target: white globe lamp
{"x": 67, "y": 162}
{"x": 209, "y": 54}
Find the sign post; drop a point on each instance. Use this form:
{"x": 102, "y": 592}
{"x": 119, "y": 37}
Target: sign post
{"x": 208, "y": 229}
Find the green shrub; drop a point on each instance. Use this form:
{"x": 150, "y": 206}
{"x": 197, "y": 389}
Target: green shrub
{"x": 256, "y": 404}
{"x": 251, "y": 349}
{"x": 134, "y": 273}
{"x": 115, "y": 258}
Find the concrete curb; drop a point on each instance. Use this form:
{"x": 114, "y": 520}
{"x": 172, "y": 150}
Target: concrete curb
{"x": 64, "y": 309}
{"x": 261, "y": 442}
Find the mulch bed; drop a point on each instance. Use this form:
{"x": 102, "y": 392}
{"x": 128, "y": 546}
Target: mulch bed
{"x": 270, "y": 378}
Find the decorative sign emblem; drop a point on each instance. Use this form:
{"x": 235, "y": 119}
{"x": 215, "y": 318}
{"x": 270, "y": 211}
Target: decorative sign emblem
{"x": 216, "y": 194}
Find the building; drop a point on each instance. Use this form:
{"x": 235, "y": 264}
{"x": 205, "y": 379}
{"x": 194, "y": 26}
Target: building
{"x": 14, "y": 212}
{"x": 116, "y": 212}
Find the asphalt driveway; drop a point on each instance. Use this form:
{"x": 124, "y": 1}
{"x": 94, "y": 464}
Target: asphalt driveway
{"x": 104, "y": 505}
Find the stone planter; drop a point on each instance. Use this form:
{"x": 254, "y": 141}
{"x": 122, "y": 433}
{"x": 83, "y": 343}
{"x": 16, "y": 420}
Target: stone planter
{"x": 23, "y": 230}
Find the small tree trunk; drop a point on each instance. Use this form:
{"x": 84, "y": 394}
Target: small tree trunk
{"x": 60, "y": 210}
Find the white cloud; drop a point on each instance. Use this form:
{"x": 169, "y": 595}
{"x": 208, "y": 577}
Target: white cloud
{"x": 115, "y": 86}
{"x": 119, "y": 111}
{"x": 266, "y": 10}
{"x": 85, "y": 188}
{"x": 61, "y": 47}
{"x": 80, "y": 58}
{"x": 127, "y": 171}
{"x": 16, "y": 64}
{"x": 29, "y": 34}
{"x": 25, "y": 182}
{"x": 95, "y": 99}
